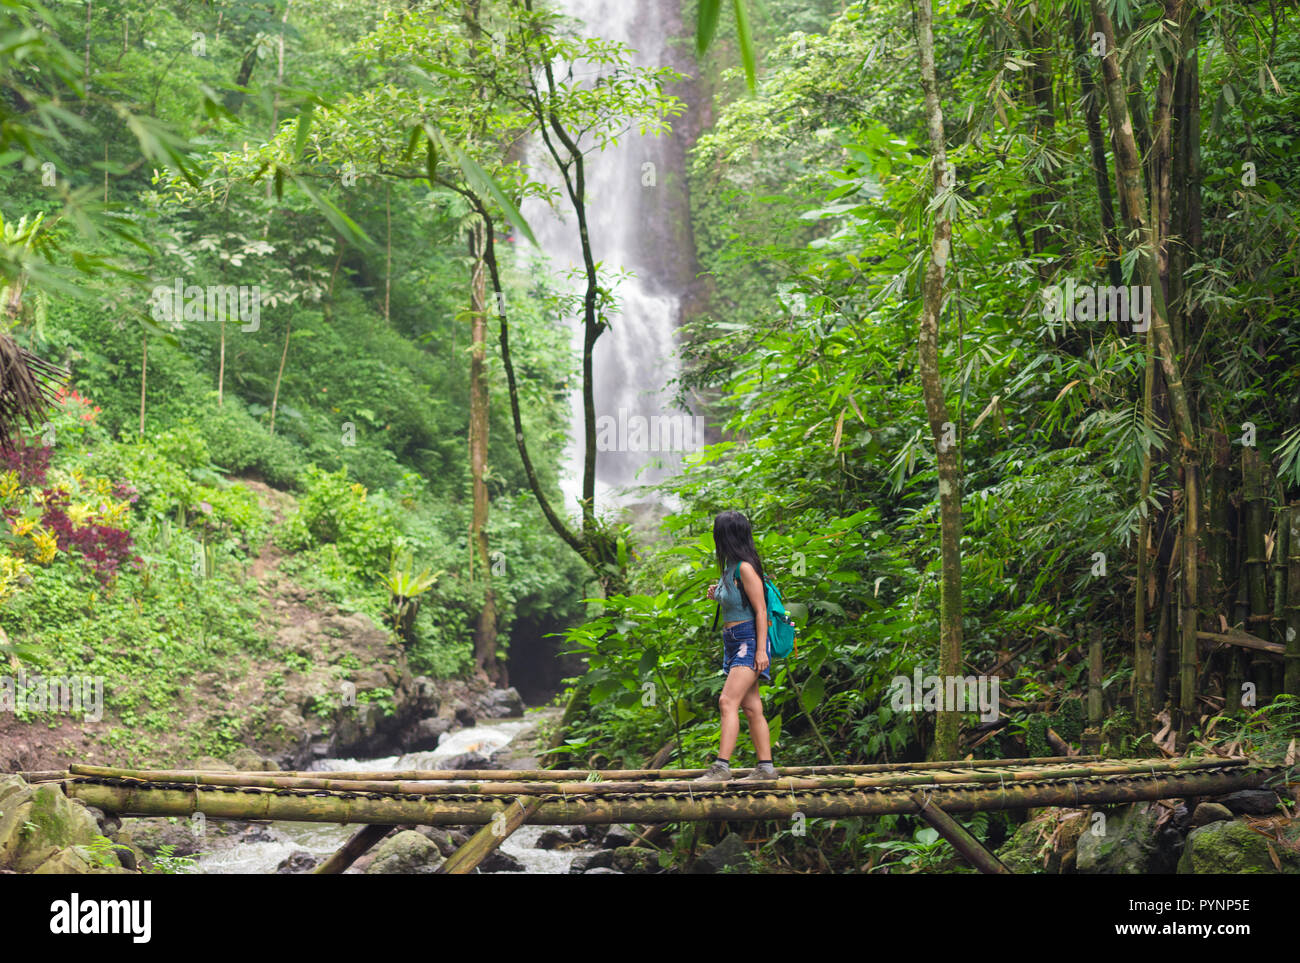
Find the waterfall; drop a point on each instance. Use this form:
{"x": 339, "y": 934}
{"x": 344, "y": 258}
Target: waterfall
{"x": 638, "y": 222}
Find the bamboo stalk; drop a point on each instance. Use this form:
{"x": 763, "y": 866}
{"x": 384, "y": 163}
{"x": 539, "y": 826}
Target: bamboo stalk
{"x": 959, "y": 837}
{"x": 353, "y": 849}
{"x": 454, "y": 811}
{"x": 1291, "y": 677}
{"x": 216, "y": 781}
{"x": 1256, "y": 563}
{"x": 484, "y": 842}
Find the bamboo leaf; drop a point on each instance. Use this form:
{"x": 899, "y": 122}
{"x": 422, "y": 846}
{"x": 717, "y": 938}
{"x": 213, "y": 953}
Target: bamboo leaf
{"x": 302, "y": 130}
{"x": 706, "y": 24}
{"x": 482, "y": 181}
{"x": 746, "y": 42}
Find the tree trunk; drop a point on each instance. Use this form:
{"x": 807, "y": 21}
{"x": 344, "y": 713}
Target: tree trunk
{"x": 485, "y": 632}
{"x": 1291, "y": 660}
{"x": 1097, "y": 149}
{"x": 144, "y": 371}
{"x": 279, "y": 375}
{"x": 943, "y": 430}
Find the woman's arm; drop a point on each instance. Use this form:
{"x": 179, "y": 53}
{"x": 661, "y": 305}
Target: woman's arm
{"x": 758, "y": 601}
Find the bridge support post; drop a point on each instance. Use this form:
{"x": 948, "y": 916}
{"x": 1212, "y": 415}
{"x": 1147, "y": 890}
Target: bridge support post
{"x": 492, "y": 835}
{"x": 354, "y": 848}
{"x": 962, "y": 841}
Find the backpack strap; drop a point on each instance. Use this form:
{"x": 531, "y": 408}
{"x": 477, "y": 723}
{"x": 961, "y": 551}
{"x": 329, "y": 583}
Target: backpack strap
{"x": 735, "y": 578}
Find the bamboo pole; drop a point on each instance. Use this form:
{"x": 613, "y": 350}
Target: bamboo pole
{"x": 568, "y": 775}
{"x": 1189, "y": 598}
{"x": 353, "y": 849}
{"x": 457, "y": 811}
{"x": 218, "y": 781}
{"x": 484, "y": 842}
{"x": 1243, "y": 640}
{"x": 959, "y": 837}
{"x": 42, "y": 775}
{"x": 1255, "y": 562}
{"x": 1291, "y": 660}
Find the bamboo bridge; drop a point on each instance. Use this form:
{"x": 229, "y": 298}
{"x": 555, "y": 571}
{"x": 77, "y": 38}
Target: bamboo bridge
{"x": 502, "y": 800}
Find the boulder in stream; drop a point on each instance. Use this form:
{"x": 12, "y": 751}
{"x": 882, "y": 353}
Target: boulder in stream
{"x": 299, "y": 861}
{"x": 406, "y": 853}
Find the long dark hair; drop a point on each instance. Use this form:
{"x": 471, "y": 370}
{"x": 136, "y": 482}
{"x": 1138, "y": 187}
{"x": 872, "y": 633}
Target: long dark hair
{"x": 734, "y": 541}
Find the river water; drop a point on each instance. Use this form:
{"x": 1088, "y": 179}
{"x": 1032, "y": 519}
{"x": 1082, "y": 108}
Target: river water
{"x": 322, "y": 839}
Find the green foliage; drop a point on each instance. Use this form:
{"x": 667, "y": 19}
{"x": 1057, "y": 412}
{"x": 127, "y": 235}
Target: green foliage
{"x": 334, "y": 510}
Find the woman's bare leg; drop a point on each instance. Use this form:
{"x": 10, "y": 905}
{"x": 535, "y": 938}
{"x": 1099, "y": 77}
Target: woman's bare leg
{"x": 734, "y": 691}
{"x": 758, "y": 731}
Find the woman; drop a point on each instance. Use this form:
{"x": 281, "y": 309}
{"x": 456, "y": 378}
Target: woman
{"x": 744, "y": 645}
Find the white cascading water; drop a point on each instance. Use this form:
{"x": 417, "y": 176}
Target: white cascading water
{"x": 635, "y": 202}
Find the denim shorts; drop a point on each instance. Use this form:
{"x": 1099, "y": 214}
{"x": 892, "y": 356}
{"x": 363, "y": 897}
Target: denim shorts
{"x": 738, "y": 648}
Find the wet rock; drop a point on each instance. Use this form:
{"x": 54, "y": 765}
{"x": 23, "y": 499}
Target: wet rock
{"x": 499, "y": 862}
{"x": 299, "y": 861}
{"x": 447, "y": 840}
{"x": 258, "y": 833}
{"x": 554, "y": 839}
{"x": 70, "y": 859}
{"x": 500, "y": 703}
{"x": 602, "y": 869}
{"x": 464, "y": 715}
{"x": 637, "y": 861}
{"x": 470, "y": 760}
{"x": 1251, "y": 802}
{"x": 152, "y": 834}
{"x": 36, "y": 822}
{"x": 1129, "y": 844}
{"x": 406, "y": 853}
{"x": 730, "y": 854}
{"x": 589, "y": 861}
{"x": 246, "y": 760}
{"x": 426, "y": 693}
{"x": 428, "y": 732}
{"x": 1207, "y": 813}
{"x": 108, "y": 823}
{"x": 1233, "y": 847}
{"x": 617, "y": 836}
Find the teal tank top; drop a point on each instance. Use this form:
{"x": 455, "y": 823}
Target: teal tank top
{"x": 731, "y": 597}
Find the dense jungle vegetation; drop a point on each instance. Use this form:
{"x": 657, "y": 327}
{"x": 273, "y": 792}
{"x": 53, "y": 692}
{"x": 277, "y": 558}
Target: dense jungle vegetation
{"x": 957, "y": 456}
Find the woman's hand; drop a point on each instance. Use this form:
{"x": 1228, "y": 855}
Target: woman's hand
{"x": 760, "y": 660}
{"x": 712, "y": 589}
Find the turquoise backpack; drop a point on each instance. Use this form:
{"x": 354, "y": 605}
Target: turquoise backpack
{"x": 780, "y": 627}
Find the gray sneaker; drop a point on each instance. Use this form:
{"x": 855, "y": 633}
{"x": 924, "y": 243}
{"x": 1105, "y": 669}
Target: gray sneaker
{"x": 718, "y": 772}
{"x": 764, "y": 772}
